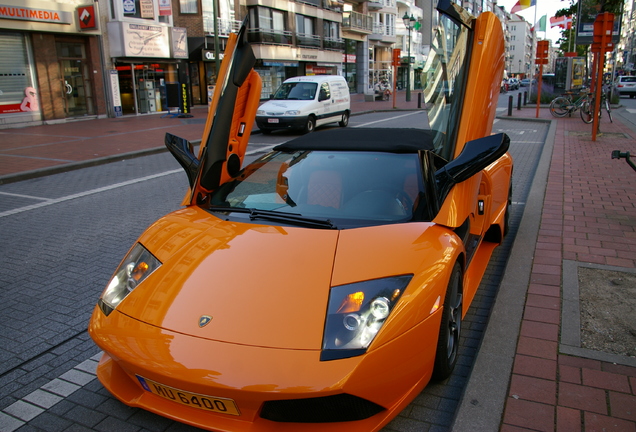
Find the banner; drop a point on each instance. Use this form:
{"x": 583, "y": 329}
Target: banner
{"x": 523, "y": 4}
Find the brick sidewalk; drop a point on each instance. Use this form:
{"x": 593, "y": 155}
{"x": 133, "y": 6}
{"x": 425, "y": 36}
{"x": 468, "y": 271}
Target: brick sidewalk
{"x": 589, "y": 217}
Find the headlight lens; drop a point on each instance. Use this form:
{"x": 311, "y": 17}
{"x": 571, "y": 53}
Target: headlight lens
{"x": 357, "y": 312}
{"x": 292, "y": 112}
{"x": 260, "y": 112}
{"x": 137, "y": 266}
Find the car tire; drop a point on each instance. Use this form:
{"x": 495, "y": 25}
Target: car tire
{"x": 266, "y": 131}
{"x": 450, "y": 327}
{"x": 345, "y": 120}
{"x": 310, "y": 125}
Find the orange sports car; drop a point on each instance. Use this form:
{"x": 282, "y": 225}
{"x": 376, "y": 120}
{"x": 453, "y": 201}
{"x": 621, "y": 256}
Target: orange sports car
{"x": 324, "y": 284}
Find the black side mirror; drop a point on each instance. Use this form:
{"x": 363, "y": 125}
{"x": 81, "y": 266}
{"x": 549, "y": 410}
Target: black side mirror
{"x": 271, "y": 96}
{"x": 476, "y": 156}
{"x": 183, "y": 152}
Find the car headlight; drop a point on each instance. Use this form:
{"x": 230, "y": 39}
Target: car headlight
{"x": 137, "y": 266}
{"x": 356, "y": 313}
{"x": 260, "y": 112}
{"x": 292, "y": 112}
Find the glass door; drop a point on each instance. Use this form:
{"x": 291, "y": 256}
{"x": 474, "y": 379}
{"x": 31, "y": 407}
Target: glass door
{"x": 76, "y": 85}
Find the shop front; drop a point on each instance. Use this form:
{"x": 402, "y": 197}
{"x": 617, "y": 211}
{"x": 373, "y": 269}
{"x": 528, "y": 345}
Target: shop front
{"x": 275, "y": 64}
{"x": 152, "y": 74}
{"x": 50, "y": 64}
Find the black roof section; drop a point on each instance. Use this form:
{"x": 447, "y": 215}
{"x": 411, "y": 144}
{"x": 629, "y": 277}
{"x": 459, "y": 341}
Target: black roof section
{"x": 363, "y": 139}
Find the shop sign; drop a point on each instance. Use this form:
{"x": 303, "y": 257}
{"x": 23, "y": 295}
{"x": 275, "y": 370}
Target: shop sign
{"x": 129, "y": 7}
{"x": 208, "y": 55}
{"x": 285, "y": 64}
{"x": 165, "y": 7}
{"x": 179, "y": 42}
{"x": 147, "y": 9}
{"x": 86, "y": 17}
{"x": 114, "y": 88}
{"x": 36, "y": 14}
{"x": 349, "y": 58}
{"x": 146, "y": 41}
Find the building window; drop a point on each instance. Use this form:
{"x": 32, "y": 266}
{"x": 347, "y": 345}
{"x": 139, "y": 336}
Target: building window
{"x": 331, "y": 31}
{"x": 305, "y": 32}
{"x": 268, "y": 26}
{"x": 188, "y": 6}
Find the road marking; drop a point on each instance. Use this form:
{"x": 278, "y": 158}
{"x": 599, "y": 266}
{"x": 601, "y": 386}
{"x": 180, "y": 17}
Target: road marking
{"x": 88, "y": 192}
{"x": 25, "y": 196}
{"x": 631, "y": 110}
{"x": 389, "y": 119}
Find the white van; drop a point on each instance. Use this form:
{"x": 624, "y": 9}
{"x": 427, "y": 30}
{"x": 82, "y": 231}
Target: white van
{"x": 306, "y": 102}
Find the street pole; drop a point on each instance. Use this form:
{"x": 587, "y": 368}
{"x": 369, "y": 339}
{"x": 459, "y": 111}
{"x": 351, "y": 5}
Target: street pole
{"x": 408, "y": 22}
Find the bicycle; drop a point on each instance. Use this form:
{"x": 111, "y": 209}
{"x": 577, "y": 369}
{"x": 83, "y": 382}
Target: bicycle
{"x": 564, "y": 105}
{"x": 588, "y": 108}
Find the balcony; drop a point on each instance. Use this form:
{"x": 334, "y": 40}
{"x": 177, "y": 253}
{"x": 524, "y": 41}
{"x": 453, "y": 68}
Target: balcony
{"x": 225, "y": 26}
{"x": 383, "y": 32}
{"x": 269, "y": 36}
{"x": 307, "y": 40}
{"x": 334, "y": 44}
{"x": 356, "y": 22}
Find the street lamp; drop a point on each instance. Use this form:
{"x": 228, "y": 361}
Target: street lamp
{"x": 519, "y": 66}
{"x": 409, "y": 22}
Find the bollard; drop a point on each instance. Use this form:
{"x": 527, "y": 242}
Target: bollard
{"x": 419, "y": 100}
{"x": 518, "y": 101}
{"x": 510, "y": 105}
{"x": 525, "y": 98}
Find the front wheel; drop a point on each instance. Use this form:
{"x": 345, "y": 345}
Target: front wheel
{"x": 310, "y": 125}
{"x": 450, "y": 328}
{"x": 345, "y": 119}
{"x": 609, "y": 111}
{"x": 559, "y": 107}
{"x": 586, "y": 111}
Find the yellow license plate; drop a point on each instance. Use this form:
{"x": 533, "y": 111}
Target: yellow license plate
{"x": 194, "y": 400}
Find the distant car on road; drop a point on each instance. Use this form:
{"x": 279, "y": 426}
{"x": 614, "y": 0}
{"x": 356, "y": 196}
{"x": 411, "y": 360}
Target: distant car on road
{"x": 525, "y": 82}
{"x": 513, "y": 83}
{"x": 626, "y": 85}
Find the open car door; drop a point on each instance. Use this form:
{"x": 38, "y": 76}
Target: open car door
{"x": 228, "y": 126}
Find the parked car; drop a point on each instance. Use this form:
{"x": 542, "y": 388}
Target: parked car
{"x": 625, "y": 85}
{"x": 525, "y": 82}
{"x": 323, "y": 285}
{"x": 305, "y": 102}
{"x": 513, "y": 83}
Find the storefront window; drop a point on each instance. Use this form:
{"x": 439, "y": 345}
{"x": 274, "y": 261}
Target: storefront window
{"x": 18, "y": 92}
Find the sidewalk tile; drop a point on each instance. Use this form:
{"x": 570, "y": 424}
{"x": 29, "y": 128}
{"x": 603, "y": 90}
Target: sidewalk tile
{"x": 539, "y": 314}
{"x": 583, "y": 398}
{"x": 534, "y": 366}
{"x": 532, "y": 415}
{"x": 623, "y": 406}
{"x": 568, "y": 420}
{"x": 606, "y": 380}
{"x": 546, "y": 302}
{"x": 540, "y": 330}
{"x": 533, "y": 389}
{"x": 600, "y": 423}
{"x": 569, "y": 374}
{"x": 537, "y": 348}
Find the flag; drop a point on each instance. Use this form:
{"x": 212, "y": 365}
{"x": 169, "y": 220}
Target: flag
{"x": 540, "y": 25}
{"x": 565, "y": 22}
{"x": 523, "y": 4}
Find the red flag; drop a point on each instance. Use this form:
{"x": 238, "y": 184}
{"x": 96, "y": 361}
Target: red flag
{"x": 565, "y": 22}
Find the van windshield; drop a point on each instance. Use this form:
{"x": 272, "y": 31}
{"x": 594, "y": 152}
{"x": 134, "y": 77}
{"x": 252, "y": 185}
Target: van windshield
{"x": 296, "y": 91}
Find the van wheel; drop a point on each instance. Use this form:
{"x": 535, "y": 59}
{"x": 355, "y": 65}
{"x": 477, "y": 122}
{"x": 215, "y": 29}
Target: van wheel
{"x": 310, "y": 125}
{"x": 345, "y": 120}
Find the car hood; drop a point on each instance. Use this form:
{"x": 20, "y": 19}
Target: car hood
{"x": 278, "y": 107}
{"x": 260, "y": 285}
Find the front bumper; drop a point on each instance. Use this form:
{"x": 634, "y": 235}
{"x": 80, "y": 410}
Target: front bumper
{"x": 280, "y": 122}
{"x": 389, "y": 376}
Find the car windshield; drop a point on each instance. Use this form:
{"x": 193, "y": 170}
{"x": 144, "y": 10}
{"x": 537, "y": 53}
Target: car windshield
{"x": 350, "y": 188}
{"x": 443, "y": 81}
{"x": 296, "y": 91}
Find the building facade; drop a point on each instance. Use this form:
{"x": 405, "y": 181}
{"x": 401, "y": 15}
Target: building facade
{"x": 50, "y": 62}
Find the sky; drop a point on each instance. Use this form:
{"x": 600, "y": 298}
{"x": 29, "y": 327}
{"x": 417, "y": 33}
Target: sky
{"x": 543, "y": 7}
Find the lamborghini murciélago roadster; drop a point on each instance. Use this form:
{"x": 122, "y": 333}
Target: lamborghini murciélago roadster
{"x": 322, "y": 286}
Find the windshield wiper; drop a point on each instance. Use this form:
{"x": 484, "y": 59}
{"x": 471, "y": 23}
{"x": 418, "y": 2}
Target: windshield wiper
{"x": 293, "y": 218}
